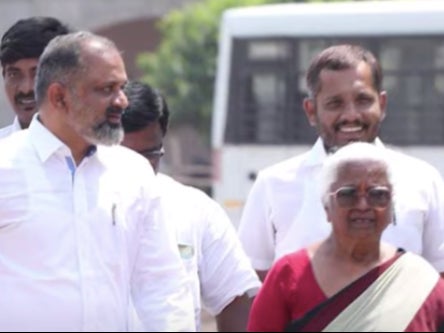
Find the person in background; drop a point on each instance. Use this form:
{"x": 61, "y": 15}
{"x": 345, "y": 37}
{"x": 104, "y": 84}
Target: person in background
{"x": 345, "y": 103}
{"x": 82, "y": 239}
{"x": 351, "y": 281}
{"x": 221, "y": 274}
{"x": 20, "y": 49}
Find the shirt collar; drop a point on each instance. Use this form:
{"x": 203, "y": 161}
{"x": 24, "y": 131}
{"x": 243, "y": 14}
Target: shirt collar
{"x": 46, "y": 143}
{"x": 16, "y": 125}
{"x": 379, "y": 143}
{"x": 318, "y": 154}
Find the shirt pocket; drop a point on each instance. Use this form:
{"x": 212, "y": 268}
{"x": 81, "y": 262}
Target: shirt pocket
{"x": 188, "y": 255}
{"x": 110, "y": 233}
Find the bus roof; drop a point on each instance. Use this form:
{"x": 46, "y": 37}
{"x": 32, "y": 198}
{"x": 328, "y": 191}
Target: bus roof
{"x": 348, "y": 18}
{"x": 305, "y": 20}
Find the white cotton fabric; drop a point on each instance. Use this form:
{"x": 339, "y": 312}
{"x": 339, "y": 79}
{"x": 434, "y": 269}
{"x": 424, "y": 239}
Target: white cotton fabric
{"x": 284, "y": 212}
{"x": 8, "y": 130}
{"x": 80, "y": 245}
{"x": 211, "y": 252}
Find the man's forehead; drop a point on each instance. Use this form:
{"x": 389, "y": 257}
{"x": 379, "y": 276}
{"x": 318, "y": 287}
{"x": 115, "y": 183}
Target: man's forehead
{"x": 22, "y": 64}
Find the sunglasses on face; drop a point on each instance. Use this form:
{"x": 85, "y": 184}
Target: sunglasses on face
{"x": 377, "y": 196}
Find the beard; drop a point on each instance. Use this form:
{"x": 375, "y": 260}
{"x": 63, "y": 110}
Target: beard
{"x": 94, "y": 131}
{"x": 106, "y": 134}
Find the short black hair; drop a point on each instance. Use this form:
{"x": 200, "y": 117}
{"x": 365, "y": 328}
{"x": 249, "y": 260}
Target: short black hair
{"x": 145, "y": 106}
{"x": 340, "y": 57}
{"x": 27, "y": 38}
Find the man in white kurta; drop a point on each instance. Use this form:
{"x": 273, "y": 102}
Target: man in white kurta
{"x": 220, "y": 273}
{"x": 345, "y": 103}
{"x": 218, "y": 268}
{"x": 79, "y": 244}
{"x": 82, "y": 241}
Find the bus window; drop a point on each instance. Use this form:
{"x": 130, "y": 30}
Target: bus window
{"x": 260, "y": 83}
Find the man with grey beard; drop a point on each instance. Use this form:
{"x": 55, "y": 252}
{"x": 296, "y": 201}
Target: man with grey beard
{"x": 81, "y": 236}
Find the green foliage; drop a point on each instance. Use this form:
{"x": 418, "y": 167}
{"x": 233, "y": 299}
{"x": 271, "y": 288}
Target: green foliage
{"x": 184, "y": 65}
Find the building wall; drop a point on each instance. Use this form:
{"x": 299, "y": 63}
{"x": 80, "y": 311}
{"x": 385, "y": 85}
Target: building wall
{"x": 133, "y": 37}
{"x": 130, "y": 23}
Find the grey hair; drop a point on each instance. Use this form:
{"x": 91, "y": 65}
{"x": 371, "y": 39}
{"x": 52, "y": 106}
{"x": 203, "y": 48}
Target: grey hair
{"x": 355, "y": 152}
{"x": 62, "y": 60}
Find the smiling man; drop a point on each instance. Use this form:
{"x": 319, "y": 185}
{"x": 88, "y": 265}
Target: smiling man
{"x": 345, "y": 103}
{"x": 20, "y": 49}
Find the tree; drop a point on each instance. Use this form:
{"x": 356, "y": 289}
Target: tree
{"x": 184, "y": 65}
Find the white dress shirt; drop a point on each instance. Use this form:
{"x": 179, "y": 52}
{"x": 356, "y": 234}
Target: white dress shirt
{"x": 284, "y": 212}
{"x": 213, "y": 256}
{"x": 80, "y": 245}
{"x": 8, "y": 130}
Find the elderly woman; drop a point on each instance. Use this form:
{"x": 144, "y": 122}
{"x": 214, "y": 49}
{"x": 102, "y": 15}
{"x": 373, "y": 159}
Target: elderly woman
{"x": 352, "y": 281}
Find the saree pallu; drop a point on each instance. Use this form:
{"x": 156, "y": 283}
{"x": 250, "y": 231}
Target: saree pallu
{"x": 387, "y": 303}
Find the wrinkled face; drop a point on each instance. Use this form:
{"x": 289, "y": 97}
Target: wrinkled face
{"x": 347, "y": 107}
{"x": 148, "y": 142}
{"x": 19, "y": 87}
{"x": 97, "y": 100}
{"x": 359, "y": 205}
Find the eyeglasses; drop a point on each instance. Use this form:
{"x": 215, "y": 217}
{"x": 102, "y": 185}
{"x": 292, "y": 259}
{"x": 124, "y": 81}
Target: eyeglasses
{"x": 348, "y": 196}
{"x": 152, "y": 153}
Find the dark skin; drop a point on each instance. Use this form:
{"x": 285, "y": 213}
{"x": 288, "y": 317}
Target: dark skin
{"x": 261, "y": 274}
{"x": 347, "y": 107}
{"x": 19, "y": 87}
{"x": 234, "y": 317}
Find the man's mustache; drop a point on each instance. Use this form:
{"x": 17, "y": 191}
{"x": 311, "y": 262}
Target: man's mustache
{"x": 21, "y": 96}
{"x": 113, "y": 109}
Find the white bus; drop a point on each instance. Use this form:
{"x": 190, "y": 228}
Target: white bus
{"x": 264, "y": 52}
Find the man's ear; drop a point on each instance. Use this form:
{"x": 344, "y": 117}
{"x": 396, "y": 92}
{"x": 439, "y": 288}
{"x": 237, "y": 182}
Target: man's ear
{"x": 57, "y": 96}
{"x": 383, "y": 103}
{"x": 310, "y": 110}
